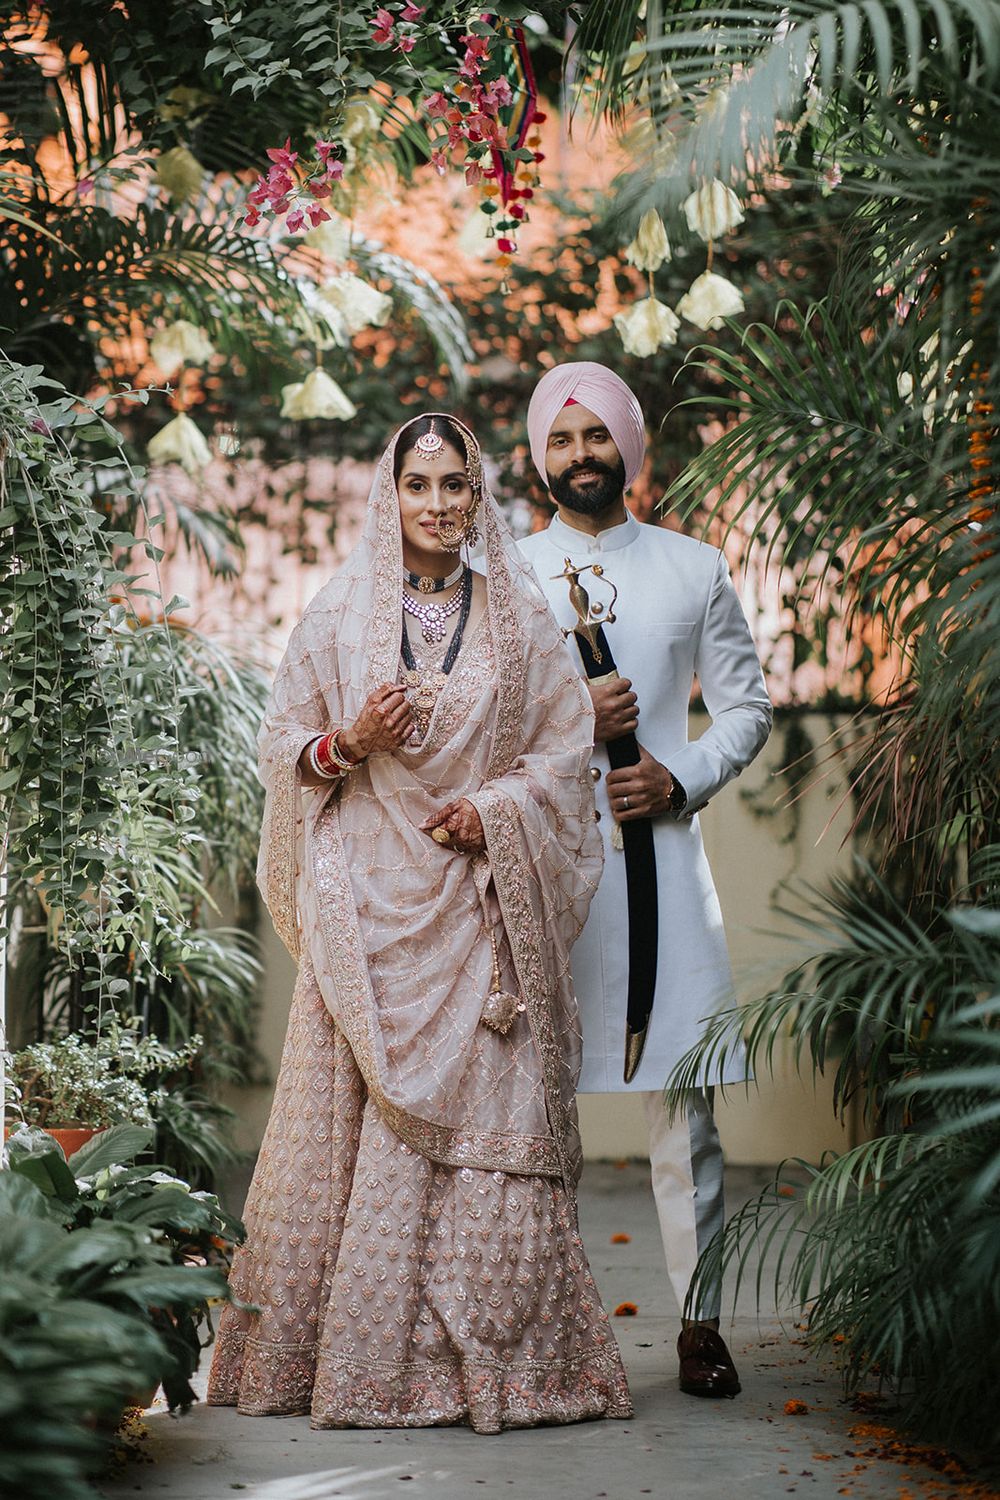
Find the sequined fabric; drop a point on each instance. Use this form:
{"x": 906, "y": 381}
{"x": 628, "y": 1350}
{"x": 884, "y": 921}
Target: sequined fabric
{"x": 412, "y": 1242}
{"x": 397, "y": 1292}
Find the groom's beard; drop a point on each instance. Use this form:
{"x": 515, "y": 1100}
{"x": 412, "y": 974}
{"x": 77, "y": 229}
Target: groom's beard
{"x": 590, "y": 499}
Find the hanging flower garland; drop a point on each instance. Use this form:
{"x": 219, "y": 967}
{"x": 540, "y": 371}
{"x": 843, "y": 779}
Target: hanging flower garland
{"x": 173, "y": 349}
{"x": 492, "y": 116}
{"x": 711, "y": 211}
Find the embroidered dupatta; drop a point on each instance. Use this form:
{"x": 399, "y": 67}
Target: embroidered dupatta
{"x": 392, "y": 924}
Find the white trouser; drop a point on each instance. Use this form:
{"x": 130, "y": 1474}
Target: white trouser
{"x": 685, "y": 1160}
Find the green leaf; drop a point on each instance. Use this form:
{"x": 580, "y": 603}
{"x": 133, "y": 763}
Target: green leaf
{"x": 110, "y": 1147}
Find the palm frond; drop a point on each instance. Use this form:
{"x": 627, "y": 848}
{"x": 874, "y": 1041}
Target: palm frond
{"x": 725, "y": 83}
{"x": 823, "y": 456}
{"x": 424, "y": 295}
{"x": 860, "y": 1000}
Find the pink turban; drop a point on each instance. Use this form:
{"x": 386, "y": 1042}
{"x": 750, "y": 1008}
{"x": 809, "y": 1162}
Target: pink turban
{"x": 601, "y": 391}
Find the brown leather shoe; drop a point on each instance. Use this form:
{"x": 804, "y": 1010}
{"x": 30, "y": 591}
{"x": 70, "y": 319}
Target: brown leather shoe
{"x": 707, "y": 1368}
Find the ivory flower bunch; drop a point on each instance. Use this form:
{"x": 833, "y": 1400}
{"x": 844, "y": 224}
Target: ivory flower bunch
{"x": 357, "y": 302}
{"x": 179, "y": 173}
{"x": 182, "y": 442}
{"x": 318, "y": 395}
{"x": 651, "y": 247}
{"x": 646, "y": 327}
{"x": 709, "y": 299}
{"x": 711, "y": 211}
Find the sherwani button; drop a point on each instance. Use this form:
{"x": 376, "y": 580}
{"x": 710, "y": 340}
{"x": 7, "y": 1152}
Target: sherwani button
{"x": 595, "y": 773}
{"x": 597, "y": 814}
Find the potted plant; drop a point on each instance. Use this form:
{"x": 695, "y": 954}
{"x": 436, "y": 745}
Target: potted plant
{"x": 107, "y": 1272}
{"x": 76, "y": 1085}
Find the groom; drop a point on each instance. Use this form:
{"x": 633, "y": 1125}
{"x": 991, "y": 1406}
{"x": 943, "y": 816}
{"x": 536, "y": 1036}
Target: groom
{"x": 677, "y": 617}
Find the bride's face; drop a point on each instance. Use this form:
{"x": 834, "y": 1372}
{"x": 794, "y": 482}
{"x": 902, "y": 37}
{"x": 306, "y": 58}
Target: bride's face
{"x": 430, "y": 489}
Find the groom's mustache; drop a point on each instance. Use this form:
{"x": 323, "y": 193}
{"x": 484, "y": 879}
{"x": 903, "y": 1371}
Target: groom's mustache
{"x": 592, "y": 466}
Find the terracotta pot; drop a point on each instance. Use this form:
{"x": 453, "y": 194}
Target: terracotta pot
{"x": 70, "y": 1138}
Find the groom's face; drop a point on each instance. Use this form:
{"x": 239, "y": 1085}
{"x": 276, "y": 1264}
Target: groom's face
{"x": 584, "y": 467}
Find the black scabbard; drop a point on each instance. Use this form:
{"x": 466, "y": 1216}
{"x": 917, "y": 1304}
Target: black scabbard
{"x": 640, "y": 877}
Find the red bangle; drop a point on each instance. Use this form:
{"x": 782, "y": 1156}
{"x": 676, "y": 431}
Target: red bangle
{"x": 328, "y": 749}
{"x": 323, "y": 757}
{"x": 354, "y": 760}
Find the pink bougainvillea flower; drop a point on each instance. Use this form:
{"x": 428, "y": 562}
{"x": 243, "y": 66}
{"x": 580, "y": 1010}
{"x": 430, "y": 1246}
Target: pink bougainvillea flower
{"x": 319, "y": 189}
{"x": 251, "y": 217}
{"x": 84, "y": 186}
{"x": 412, "y": 12}
{"x": 295, "y": 220}
{"x": 383, "y": 26}
{"x": 439, "y": 160}
{"x": 473, "y": 173}
{"x": 499, "y": 92}
{"x": 317, "y": 214}
{"x": 436, "y": 105}
{"x": 406, "y": 44}
{"x": 283, "y": 156}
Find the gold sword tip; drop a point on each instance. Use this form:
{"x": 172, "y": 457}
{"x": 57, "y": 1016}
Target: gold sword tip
{"x": 635, "y": 1041}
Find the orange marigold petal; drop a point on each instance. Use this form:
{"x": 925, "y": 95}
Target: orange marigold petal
{"x": 795, "y": 1408}
{"x": 621, "y": 1239}
{"x": 626, "y": 1310}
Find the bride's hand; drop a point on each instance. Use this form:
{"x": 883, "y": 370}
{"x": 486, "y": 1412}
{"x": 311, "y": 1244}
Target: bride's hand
{"x": 462, "y": 823}
{"x": 384, "y": 723}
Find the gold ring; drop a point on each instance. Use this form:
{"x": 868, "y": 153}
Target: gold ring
{"x": 440, "y": 835}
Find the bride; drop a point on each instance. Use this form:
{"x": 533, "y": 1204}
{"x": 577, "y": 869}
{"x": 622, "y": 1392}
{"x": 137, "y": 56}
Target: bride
{"x": 428, "y": 856}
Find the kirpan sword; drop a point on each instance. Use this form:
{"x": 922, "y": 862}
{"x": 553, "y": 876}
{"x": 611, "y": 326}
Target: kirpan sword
{"x": 636, "y": 833}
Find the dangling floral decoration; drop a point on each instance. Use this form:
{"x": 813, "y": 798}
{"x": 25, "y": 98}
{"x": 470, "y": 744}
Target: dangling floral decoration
{"x": 711, "y": 211}
{"x": 492, "y": 115}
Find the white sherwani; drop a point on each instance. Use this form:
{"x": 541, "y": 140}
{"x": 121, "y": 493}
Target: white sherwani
{"x": 677, "y": 617}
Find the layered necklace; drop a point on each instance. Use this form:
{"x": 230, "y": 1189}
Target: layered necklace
{"x": 425, "y": 684}
{"x": 434, "y": 617}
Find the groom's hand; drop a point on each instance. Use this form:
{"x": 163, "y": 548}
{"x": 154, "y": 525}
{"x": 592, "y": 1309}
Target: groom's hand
{"x": 640, "y": 791}
{"x": 616, "y": 709}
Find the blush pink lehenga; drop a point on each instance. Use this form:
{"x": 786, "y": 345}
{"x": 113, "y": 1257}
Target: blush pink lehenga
{"x": 412, "y": 1254}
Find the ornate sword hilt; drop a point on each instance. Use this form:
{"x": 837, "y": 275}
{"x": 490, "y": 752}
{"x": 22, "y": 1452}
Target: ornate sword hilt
{"x": 591, "y": 614}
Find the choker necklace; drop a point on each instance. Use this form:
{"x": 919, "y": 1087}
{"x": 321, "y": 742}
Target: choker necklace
{"x": 432, "y": 585}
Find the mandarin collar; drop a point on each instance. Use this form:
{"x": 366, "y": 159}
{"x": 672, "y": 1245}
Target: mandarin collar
{"x": 612, "y": 540}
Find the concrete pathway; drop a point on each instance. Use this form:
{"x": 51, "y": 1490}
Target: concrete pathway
{"x": 676, "y": 1446}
